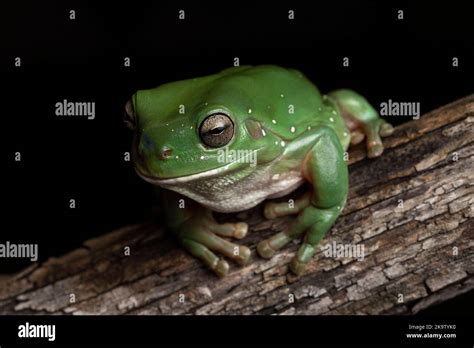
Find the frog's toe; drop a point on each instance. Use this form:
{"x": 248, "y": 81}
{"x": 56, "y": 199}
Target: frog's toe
{"x": 296, "y": 266}
{"x": 386, "y": 129}
{"x": 221, "y": 268}
{"x": 211, "y": 260}
{"x": 240, "y": 230}
{"x": 236, "y": 230}
{"x": 357, "y": 137}
{"x": 274, "y": 210}
{"x": 374, "y": 149}
{"x": 269, "y": 211}
{"x": 244, "y": 255}
{"x": 265, "y": 250}
{"x": 303, "y": 256}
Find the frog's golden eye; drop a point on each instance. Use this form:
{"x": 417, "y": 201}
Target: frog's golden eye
{"x": 129, "y": 115}
{"x": 216, "y": 130}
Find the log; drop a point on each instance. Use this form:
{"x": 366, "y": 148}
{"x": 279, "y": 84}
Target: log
{"x": 411, "y": 209}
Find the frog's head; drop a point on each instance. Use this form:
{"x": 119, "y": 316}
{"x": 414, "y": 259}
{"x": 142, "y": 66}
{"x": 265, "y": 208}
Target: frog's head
{"x": 195, "y": 129}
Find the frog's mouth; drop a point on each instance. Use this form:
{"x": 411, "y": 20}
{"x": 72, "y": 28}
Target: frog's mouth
{"x": 187, "y": 178}
{"x": 172, "y": 181}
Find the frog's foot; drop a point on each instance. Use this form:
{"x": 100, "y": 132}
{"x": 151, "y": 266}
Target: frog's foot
{"x": 199, "y": 236}
{"x": 362, "y": 120}
{"x": 273, "y": 210}
{"x": 312, "y": 222}
{"x": 267, "y": 248}
{"x": 384, "y": 130}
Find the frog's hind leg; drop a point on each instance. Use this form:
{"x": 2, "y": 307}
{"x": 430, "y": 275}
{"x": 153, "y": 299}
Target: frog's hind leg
{"x": 362, "y": 120}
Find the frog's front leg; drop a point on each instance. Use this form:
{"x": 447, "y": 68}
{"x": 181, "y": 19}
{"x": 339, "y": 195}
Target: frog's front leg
{"x": 325, "y": 169}
{"x": 199, "y": 233}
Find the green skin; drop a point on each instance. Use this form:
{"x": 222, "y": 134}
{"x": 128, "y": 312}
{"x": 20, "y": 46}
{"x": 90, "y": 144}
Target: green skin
{"x": 296, "y": 134}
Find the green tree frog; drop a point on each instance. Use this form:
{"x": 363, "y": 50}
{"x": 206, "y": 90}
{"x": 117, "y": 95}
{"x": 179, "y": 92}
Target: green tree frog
{"x": 228, "y": 141}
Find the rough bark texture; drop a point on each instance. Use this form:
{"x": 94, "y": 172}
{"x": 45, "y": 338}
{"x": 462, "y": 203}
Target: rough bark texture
{"x": 417, "y": 253}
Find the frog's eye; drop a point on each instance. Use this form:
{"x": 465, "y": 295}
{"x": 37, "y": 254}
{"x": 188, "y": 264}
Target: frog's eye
{"x": 216, "y": 130}
{"x": 129, "y": 116}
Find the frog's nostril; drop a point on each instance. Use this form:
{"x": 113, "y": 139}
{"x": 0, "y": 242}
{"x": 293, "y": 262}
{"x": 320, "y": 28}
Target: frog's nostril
{"x": 166, "y": 152}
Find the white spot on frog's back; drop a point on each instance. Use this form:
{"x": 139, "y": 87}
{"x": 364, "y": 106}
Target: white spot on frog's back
{"x": 274, "y": 121}
{"x": 282, "y": 143}
{"x": 250, "y": 111}
{"x": 263, "y": 132}
{"x": 292, "y": 129}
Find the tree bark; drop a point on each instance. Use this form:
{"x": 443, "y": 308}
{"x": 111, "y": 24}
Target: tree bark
{"x": 411, "y": 209}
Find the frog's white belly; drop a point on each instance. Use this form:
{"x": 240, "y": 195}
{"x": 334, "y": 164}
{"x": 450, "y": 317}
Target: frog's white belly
{"x": 231, "y": 193}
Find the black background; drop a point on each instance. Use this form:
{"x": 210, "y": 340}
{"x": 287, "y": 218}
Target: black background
{"x": 82, "y": 60}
